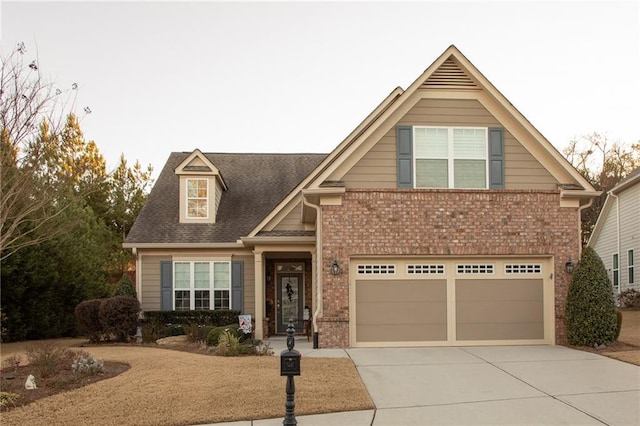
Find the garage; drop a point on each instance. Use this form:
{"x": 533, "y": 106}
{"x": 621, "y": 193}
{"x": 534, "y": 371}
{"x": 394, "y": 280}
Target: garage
{"x": 451, "y": 301}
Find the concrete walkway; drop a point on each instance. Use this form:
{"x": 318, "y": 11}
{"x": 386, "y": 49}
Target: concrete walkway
{"x": 533, "y": 385}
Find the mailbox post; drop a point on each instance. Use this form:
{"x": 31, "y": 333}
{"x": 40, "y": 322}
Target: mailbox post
{"x": 290, "y": 366}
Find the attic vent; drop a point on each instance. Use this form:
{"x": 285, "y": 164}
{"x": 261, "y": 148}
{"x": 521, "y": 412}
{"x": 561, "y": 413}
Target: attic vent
{"x": 449, "y": 75}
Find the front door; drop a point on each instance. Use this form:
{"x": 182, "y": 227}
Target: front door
{"x": 289, "y": 301}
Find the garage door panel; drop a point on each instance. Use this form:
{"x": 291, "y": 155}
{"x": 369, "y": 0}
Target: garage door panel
{"x": 401, "y": 310}
{"x": 409, "y": 332}
{"x": 517, "y": 311}
{"x": 499, "y": 309}
{"x": 493, "y": 331}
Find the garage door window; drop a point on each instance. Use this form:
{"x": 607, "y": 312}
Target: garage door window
{"x": 474, "y": 268}
{"x": 529, "y": 268}
{"x": 376, "y": 269}
{"x": 425, "y": 269}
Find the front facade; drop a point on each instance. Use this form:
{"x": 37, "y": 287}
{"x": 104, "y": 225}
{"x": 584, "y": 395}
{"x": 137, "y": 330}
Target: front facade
{"x": 444, "y": 218}
{"x": 616, "y": 235}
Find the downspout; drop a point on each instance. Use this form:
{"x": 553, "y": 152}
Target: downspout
{"x": 318, "y": 310}
{"x": 580, "y": 208}
{"x": 618, "y": 240}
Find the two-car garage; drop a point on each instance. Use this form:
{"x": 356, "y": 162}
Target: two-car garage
{"x": 445, "y": 301}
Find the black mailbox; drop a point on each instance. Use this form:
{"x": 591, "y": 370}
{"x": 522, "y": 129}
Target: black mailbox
{"x": 290, "y": 363}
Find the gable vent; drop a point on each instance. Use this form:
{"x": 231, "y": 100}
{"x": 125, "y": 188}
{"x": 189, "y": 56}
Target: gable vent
{"x": 449, "y": 75}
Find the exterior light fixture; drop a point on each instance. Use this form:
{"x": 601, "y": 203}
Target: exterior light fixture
{"x": 569, "y": 266}
{"x": 335, "y": 267}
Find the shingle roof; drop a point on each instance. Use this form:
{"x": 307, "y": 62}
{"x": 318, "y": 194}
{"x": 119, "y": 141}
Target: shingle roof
{"x": 256, "y": 184}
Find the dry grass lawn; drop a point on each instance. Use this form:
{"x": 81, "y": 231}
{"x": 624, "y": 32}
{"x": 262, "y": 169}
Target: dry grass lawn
{"x": 168, "y": 387}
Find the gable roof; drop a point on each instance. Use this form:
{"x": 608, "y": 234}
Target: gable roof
{"x": 451, "y": 75}
{"x": 198, "y": 164}
{"x": 630, "y": 180}
{"x": 256, "y": 184}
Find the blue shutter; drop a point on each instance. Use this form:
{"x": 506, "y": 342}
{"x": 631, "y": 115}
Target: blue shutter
{"x": 166, "y": 284}
{"x": 404, "y": 140}
{"x": 237, "y": 284}
{"x": 496, "y": 158}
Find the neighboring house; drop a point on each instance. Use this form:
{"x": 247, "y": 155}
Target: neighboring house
{"x": 616, "y": 235}
{"x": 444, "y": 218}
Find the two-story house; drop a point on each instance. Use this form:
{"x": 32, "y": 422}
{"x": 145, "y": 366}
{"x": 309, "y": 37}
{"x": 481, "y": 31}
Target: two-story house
{"x": 444, "y": 218}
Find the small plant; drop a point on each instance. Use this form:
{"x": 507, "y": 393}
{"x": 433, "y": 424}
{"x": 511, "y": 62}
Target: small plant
{"x": 263, "y": 349}
{"x": 629, "y": 298}
{"x": 86, "y": 364}
{"x": 12, "y": 363}
{"x": 8, "y": 399}
{"x": 47, "y": 358}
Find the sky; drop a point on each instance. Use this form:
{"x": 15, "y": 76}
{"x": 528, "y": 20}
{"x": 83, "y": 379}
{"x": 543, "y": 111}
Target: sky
{"x": 287, "y": 76}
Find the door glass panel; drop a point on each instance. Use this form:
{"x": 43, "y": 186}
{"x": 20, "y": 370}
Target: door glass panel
{"x": 289, "y": 297}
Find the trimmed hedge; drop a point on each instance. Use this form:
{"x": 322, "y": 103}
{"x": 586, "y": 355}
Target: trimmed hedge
{"x": 119, "y": 316}
{"x": 591, "y": 310}
{"x": 196, "y": 324}
{"x": 88, "y": 319}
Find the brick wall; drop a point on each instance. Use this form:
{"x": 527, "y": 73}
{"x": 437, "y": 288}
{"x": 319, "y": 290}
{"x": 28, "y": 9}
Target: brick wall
{"x": 441, "y": 222}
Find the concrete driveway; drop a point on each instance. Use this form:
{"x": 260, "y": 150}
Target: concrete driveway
{"x": 513, "y": 385}
{"x": 498, "y": 385}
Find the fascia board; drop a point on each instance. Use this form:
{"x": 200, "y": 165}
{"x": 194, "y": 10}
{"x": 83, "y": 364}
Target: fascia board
{"x": 182, "y": 245}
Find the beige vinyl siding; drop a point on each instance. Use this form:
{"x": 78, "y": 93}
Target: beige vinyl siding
{"x": 292, "y": 221}
{"x": 218, "y": 196}
{"x": 377, "y": 168}
{"x": 151, "y": 288}
{"x": 249, "y": 292}
{"x": 607, "y": 243}
{"x": 629, "y": 232}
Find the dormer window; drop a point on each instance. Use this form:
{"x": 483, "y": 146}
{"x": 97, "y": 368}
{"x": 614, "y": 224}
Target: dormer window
{"x": 197, "y": 198}
{"x": 201, "y": 188}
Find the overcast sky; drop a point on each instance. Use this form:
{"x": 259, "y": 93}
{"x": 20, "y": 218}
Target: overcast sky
{"x": 298, "y": 77}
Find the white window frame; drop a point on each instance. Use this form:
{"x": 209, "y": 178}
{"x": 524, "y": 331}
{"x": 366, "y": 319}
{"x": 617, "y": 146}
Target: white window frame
{"x": 214, "y": 285}
{"x": 615, "y": 270}
{"x": 631, "y": 265}
{"x": 450, "y": 155}
{"x": 206, "y": 198}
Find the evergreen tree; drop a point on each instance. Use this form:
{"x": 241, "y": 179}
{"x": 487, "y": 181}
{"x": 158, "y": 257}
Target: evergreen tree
{"x": 591, "y": 311}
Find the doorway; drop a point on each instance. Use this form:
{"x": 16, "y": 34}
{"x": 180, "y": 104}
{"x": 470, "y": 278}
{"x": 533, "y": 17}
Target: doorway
{"x": 289, "y": 300}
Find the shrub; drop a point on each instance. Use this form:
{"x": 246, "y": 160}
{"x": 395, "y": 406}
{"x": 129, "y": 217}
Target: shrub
{"x": 125, "y": 286}
{"x": 618, "y": 323}
{"x": 8, "y": 399}
{"x": 47, "y": 358}
{"x": 629, "y": 298}
{"x": 591, "y": 311}
{"x": 197, "y": 332}
{"x": 86, "y": 364}
{"x": 214, "y": 334}
{"x": 88, "y": 319}
{"x": 218, "y": 317}
{"x": 119, "y": 316}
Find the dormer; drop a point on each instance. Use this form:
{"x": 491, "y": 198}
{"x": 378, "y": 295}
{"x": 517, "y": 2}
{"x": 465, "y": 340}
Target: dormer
{"x": 201, "y": 187}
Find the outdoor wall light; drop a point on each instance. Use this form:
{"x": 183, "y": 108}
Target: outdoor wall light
{"x": 335, "y": 267}
{"x": 569, "y": 266}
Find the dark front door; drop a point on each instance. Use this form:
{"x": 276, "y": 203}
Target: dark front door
{"x": 289, "y": 301}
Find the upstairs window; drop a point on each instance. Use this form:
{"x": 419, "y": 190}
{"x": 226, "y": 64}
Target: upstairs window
{"x": 450, "y": 157}
{"x": 197, "y": 198}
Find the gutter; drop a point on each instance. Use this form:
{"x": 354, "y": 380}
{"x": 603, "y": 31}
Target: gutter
{"x": 318, "y": 311}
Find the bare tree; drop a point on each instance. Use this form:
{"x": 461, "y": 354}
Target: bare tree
{"x": 32, "y": 117}
{"x": 603, "y": 163}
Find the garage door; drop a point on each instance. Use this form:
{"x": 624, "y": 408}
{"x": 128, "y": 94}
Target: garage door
{"x": 420, "y": 302}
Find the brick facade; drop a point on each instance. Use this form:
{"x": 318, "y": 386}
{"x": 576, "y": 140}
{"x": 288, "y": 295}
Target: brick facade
{"x": 398, "y": 222}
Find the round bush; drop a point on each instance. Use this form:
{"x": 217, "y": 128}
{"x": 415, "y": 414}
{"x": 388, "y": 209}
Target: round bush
{"x": 119, "y": 316}
{"x": 214, "y": 334}
{"x": 88, "y": 319}
{"x": 591, "y": 311}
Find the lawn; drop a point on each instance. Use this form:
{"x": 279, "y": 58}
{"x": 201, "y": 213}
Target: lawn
{"x": 178, "y": 387}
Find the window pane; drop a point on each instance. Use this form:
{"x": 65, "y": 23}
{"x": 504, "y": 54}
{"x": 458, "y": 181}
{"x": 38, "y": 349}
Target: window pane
{"x": 181, "y": 275}
{"x": 432, "y": 174}
{"x": 221, "y": 299}
{"x": 221, "y": 276}
{"x": 182, "y": 300}
{"x": 615, "y": 261}
{"x": 197, "y": 208}
{"x": 469, "y": 143}
{"x": 431, "y": 143}
{"x": 202, "y": 300}
{"x": 201, "y": 275}
{"x": 469, "y": 174}
{"x": 197, "y": 188}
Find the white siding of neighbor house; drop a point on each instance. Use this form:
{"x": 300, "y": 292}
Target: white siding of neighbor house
{"x": 606, "y": 243}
